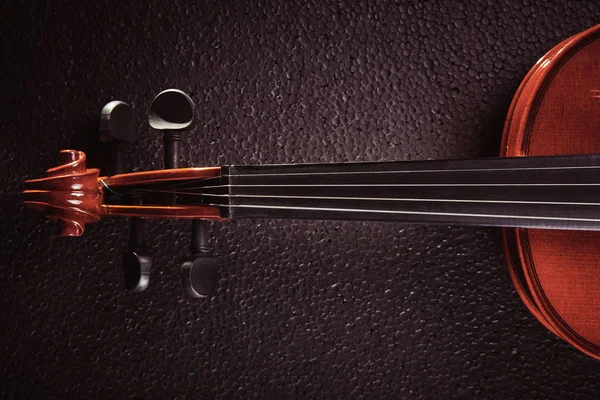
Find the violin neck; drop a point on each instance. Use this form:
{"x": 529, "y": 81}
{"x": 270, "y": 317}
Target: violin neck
{"x": 532, "y": 192}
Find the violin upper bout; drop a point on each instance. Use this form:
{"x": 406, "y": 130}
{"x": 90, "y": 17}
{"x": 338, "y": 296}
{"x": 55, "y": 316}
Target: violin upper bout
{"x": 70, "y": 193}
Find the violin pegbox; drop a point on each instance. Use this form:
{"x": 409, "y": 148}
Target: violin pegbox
{"x": 74, "y": 195}
{"x": 69, "y": 194}
{"x": 171, "y": 112}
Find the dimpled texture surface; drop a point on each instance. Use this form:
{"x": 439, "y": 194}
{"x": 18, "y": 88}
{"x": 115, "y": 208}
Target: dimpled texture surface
{"x": 304, "y": 309}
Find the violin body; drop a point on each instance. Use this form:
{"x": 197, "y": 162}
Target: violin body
{"x": 556, "y": 111}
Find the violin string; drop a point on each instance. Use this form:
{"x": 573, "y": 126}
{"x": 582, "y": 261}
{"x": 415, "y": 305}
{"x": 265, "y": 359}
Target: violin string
{"x": 198, "y": 187}
{"x": 188, "y": 191}
{"x": 139, "y": 191}
{"x": 166, "y": 188}
{"x": 187, "y": 182}
{"x": 421, "y": 171}
{"x": 412, "y": 212}
{"x": 405, "y": 185}
{"x": 447, "y": 214}
{"x": 309, "y": 174}
{"x": 404, "y": 199}
{"x": 400, "y": 212}
{"x": 188, "y": 185}
{"x": 108, "y": 188}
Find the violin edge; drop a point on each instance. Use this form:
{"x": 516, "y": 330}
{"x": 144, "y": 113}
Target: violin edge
{"x": 516, "y": 142}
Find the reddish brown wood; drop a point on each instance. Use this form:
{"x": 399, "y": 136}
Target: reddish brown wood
{"x": 163, "y": 175}
{"x": 69, "y": 193}
{"x": 161, "y": 211}
{"x": 73, "y": 195}
{"x": 171, "y": 212}
{"x": 557, "y": 111}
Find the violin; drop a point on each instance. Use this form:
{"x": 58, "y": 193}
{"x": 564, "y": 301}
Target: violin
{"x": 543, "y": 190}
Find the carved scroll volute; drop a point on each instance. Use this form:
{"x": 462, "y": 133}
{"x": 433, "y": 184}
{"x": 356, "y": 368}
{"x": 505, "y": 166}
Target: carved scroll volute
{"x": 69, "y": 194}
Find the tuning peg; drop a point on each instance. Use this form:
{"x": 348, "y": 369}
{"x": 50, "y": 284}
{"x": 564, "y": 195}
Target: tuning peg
{"x": 199, "y": 276}
{"x": 116, "y": 126}
{"x": 199, "y": 273}
{"x": 116, "y": 122}
{"x": 137, "y": 262}
{"x": 171, "y": 111}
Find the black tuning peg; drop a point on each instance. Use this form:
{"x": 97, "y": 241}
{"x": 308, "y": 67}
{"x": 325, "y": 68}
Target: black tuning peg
{"x": 116, "y": 126}
{"x": 199, "y": 273}
{"x": 116, "y": 122}
{"x": 172, "y": 112}
{"x": 137, "y": 262}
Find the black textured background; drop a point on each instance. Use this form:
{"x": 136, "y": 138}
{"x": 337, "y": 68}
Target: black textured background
{"x": 304, "y": 309}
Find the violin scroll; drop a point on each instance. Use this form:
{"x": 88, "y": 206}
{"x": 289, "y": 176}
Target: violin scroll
{"x": 69, "y": 193}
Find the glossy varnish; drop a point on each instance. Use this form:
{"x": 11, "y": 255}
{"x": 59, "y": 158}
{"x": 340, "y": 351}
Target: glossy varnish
{"x": 73, "y": 194}
{"x": 556, "y": 111}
